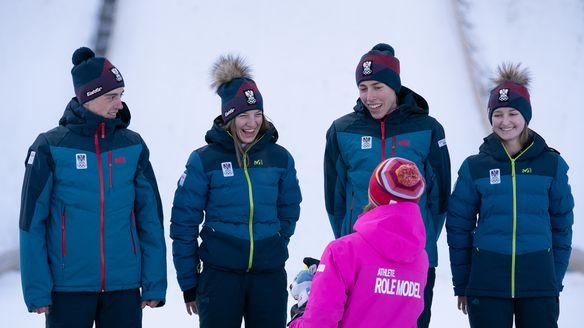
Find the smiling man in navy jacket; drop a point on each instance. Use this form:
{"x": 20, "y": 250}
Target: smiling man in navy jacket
{"x": 388, "y": 120}
{"x": 92, "y": 243}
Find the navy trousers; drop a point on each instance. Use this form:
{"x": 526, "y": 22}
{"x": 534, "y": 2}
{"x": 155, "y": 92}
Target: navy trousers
{"x": 499, "y": 312}
{"x": 225, "y": 297}
{"x": 424, "y": 318}
{"x": 108, "y": 309}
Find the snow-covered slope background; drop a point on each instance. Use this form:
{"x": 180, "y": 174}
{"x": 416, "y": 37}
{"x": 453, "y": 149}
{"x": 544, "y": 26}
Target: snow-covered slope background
{"x": 304, "y": 55}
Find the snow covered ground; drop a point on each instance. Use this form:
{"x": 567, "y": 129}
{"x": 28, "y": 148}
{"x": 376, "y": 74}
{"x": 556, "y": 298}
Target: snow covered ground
{"x": 304, "y": 54}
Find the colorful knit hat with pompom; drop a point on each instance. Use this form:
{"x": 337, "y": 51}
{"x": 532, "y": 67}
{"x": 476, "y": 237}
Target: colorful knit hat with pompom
{"x": 396, "y": 180}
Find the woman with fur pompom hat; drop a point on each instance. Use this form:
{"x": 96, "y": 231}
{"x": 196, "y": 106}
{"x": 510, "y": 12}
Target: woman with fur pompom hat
{"x": 242, "y": 188}
{"x": 510, "y": 217}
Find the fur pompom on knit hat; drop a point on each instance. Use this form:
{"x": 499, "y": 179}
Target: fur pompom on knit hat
{"x": 394, "y": 180}
{"x": 233, "y": 82}
{"x": 512, "y": 82}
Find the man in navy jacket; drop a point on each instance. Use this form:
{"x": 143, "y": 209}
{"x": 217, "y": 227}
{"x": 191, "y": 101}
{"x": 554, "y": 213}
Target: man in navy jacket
{"x": 388, "y": 120}
{"x": 92, "y": 243}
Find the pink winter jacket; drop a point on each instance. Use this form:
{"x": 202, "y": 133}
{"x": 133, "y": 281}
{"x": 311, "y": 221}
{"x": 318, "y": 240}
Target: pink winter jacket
{"x": 374, "y": 277}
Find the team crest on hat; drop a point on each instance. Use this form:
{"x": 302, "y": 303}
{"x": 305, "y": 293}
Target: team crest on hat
{"x": 250, "y": 96}
{"x": 367, "y": 67}
{"x": 117, "y": 74}
{"x": 504, "y": 94}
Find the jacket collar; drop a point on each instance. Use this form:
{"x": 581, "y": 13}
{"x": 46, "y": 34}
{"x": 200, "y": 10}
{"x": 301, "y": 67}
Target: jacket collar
{"x": 80, "y": 120}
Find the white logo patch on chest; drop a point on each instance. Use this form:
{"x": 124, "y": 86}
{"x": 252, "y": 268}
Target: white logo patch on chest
{"x": 495, "y": 176}
{"x": 81, "y": 161}
{"x": 366, "y": 142}
{"x": 227, "y": 169}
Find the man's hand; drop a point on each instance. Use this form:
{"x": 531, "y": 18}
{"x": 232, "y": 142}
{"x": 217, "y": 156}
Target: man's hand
{"x": 192, "y": 308}
{"x": 462, "y": 304}
{"x": 149, "y": 303}
{"x": 41, "y": 310}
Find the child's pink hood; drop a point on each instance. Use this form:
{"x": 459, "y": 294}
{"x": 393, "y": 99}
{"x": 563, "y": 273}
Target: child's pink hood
{"x": 374, "y": 277}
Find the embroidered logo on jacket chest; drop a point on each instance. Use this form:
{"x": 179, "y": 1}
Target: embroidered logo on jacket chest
{"x": 227, "y": 169}
{"x": 403, "y": 143}
{"x": 81, "y": 161}
{"x": 495, "y": 176}
{"x": 366, "y": 142}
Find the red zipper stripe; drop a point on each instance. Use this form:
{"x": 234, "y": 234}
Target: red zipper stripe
{"x": 393, "y": 140}
{"x": 101, "y": 203}
{"x": 382, "y": 140}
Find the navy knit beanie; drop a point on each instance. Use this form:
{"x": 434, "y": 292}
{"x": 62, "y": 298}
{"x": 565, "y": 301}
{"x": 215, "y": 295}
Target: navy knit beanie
{"x": 239, "y": 93}
{"x": 93, "y": 76}
{"x": 379, "y": 64}
{"x": 510, "y": 94}
{"x": 511, "y": 90}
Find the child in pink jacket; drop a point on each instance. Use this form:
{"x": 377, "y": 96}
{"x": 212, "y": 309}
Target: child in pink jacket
{"x": 376, "y": 276}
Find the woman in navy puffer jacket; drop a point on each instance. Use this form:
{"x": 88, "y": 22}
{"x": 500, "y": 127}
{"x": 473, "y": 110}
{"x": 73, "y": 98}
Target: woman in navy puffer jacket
{"x": 510, "y": 217}
{"x": 242, "y": 188}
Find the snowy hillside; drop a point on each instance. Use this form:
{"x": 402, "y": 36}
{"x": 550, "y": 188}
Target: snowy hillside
{"x": 304, "y": 55}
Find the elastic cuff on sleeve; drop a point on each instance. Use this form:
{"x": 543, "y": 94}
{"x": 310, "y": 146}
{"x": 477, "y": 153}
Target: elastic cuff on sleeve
{"x": 190, "y": 295}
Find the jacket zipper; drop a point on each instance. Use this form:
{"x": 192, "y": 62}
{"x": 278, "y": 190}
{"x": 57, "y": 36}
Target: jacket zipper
{"x": 250, "y": 223}
{"x": 101, "y": 202}
{"x": 393, "y": 142}
{"x": 514, "y": 235}
{"x": 382, "y": 139}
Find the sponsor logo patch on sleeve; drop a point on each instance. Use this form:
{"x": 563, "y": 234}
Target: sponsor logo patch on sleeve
{"x": 441, "y": 142}
{"x": 31, "y": 157}
{"x": 181, "y": 181}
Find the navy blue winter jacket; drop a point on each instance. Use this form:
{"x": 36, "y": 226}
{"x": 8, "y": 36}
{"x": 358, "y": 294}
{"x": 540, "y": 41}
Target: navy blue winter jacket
{"x": 91, "y": 215}
{"x": 509, "y": 224}
{"x": 357, "y": 142}
{"x": 248, "y": 213}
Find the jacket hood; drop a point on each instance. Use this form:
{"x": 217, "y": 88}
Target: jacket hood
{"x": 409, "y": 103}
{"x": 218, "y": 135}
{"x": 395, "y": 231}
{"x": 493, "y": 147}
{"x": 80, "y": 120}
